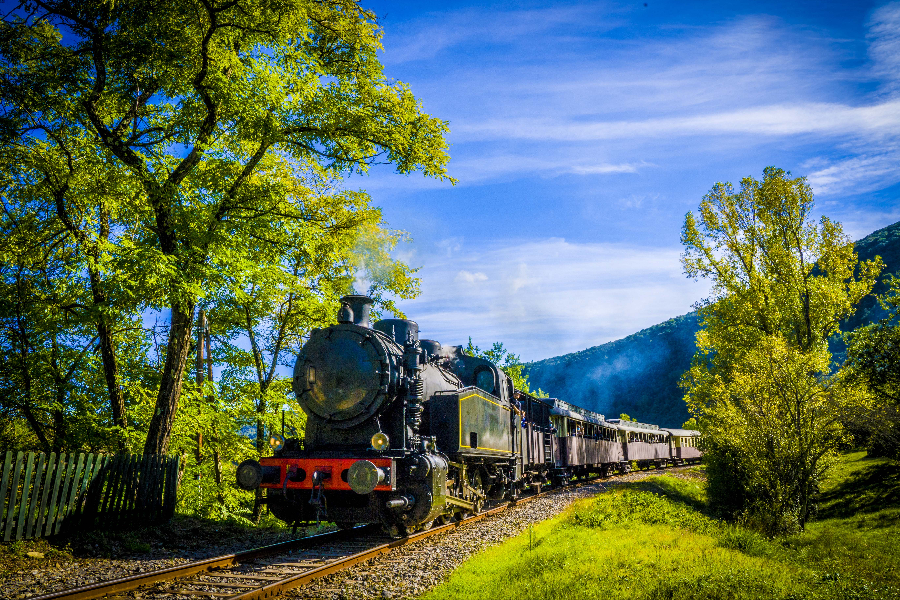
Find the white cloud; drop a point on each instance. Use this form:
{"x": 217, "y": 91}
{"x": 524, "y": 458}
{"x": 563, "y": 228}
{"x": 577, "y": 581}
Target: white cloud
{"x": 563, "y": 162}
{"x": 637, "y": 200}
{"x": 602, "y": 169}
{"x": 881, "y": 120}
{"x": 884, "y": 44}
{"x": 547, "y": 297}
{"x": 865, "y": 172}
{"x": 428, "y": 36}
{"x": 468, "y": 277}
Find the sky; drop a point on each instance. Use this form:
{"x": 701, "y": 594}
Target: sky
{"x": 582, "y": 133}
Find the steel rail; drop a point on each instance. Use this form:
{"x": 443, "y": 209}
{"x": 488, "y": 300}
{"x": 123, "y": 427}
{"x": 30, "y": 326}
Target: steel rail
{"x": 131, "y": 582}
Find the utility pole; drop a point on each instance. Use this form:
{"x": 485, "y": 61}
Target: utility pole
{"x": 201, "y": 372}
{"x": 205, "y": 372}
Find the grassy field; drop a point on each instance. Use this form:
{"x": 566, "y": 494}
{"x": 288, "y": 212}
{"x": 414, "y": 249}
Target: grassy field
{"x": 652, "y": 540}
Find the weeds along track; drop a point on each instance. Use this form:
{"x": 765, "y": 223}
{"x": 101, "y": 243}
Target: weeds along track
{"x": 267, "y": 571}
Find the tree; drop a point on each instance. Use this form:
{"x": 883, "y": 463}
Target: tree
{"x": 207, "y": 116}
{"x": 873, "y": 360}
{"x": 759, "y": 385}
{"x": 690, "y": 424}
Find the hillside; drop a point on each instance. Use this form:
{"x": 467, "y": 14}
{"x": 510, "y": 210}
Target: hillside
{"x": 639, "y": 374}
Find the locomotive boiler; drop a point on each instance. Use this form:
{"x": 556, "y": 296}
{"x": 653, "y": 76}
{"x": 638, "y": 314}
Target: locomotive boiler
{"x": 400, "y": 431}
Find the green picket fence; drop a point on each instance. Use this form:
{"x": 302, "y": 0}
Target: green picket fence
{"x": 41, "y": 496}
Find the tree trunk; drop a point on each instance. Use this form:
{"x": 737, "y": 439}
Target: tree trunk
{"x": 260, "y": 447}
{"x": 179, "y": 343}
{"x": 104, "y": 331}
{"x": 111, "y": 373}
{"x": 59, "y": 430}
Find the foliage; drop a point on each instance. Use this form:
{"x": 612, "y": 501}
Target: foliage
{"x": 759, "y": 384}
{"x": 619, "y": 508}
{"x": 873, "y": 359}
{"x": 590, "y": 551}
{"x": 625, "y": 417}
{"x": 168, "y": 152}
{"x": 510, "y": 363}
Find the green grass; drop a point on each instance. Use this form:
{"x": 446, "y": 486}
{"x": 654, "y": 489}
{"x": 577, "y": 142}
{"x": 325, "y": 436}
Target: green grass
{"x": 653, "y": 540}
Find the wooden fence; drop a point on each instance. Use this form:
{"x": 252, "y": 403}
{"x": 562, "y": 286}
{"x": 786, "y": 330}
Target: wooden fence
{"x": 41, "y": 496}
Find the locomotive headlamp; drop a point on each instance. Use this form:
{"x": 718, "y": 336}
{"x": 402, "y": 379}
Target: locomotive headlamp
{"x": 363, "y": 476}
{"x": 276, "y": 441}
{"x": 380, "y": 441}
{"x": 249, "y": 475}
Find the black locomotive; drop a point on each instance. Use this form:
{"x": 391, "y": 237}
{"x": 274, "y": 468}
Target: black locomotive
{"x": 404, "y": 432}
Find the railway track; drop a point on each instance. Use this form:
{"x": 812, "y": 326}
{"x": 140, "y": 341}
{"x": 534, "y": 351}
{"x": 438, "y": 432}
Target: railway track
{"x": 267, "y": 571}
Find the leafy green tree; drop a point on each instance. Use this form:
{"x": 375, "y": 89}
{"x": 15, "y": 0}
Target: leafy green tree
{"x": 208, "y": 116}
{"x": 759, "y": 384}
{"x": 873, "y": 359}
{"x": 691, "y": 424}
{"x": 625, "y": 417}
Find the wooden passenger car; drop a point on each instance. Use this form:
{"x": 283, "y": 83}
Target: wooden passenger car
{"x": 685, "y": 446}
{"x": 539, "y": 444}
{"x": 587, "y": 442}
{"x": 644, "y": 444}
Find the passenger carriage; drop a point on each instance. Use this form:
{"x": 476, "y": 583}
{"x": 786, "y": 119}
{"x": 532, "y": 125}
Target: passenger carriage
{"x": 684, "y": 446}
{"x": 587, "y": 442}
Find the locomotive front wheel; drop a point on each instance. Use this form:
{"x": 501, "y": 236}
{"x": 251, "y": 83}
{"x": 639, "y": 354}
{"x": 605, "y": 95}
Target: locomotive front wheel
{"x": 397, "y": 531}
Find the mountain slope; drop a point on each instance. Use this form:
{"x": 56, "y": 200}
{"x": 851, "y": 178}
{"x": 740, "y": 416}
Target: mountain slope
{"x": 639, "y": 374}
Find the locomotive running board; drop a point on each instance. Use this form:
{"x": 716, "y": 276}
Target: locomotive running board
{"x": 460, "y": 502}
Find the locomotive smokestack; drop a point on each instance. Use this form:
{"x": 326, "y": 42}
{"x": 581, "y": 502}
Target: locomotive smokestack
{"x": 355, "y": 310}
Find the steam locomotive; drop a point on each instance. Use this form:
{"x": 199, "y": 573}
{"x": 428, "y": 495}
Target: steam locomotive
{"x": 405, "y": 432}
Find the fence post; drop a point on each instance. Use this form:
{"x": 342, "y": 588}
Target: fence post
{"x": 35, "y": 494}
{"x": 62, "y": 511}
{"x": 4, "y": 485}
{"x": 68, "y": 505}
{"x": 44, "y": 508}
{"x": 171, "y": 493}
{"x": 54, "y": 495}
{"x": 13, "y": 492}
{"x": 26, "y": 488}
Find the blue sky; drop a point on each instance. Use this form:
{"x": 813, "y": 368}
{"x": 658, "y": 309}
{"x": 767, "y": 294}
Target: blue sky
{"x": 581, "y": 134}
